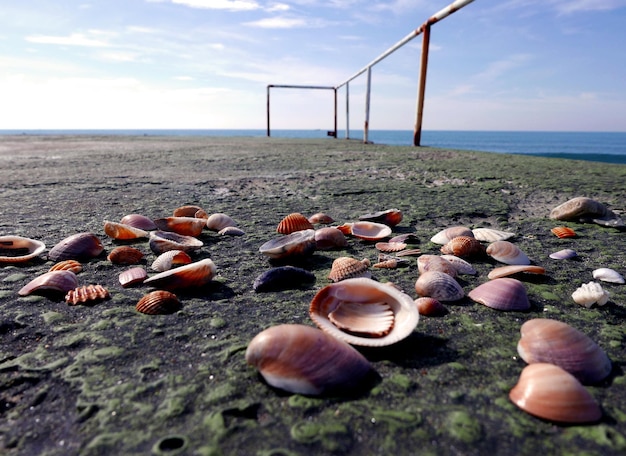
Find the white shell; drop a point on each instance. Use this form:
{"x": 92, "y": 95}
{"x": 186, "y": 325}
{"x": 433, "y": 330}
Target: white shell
{"x": 491, "y": 235}
{"x": 589, "y": 294}
{"x": 507, "y": 253}
{"x": 608, "y": 275}
{"x": 446, "y": 235}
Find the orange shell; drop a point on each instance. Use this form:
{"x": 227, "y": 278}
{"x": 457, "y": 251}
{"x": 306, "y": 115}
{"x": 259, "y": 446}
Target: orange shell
{"x": 294, "y": 222}
{"x": 563, "y": 232}
{"x": 390, "y": 246}
{"x": 463, "y": 246}
{"x": 86, "y": 294}
{"x": 430, "y": 306}
{"x": 125, "y": 255}
{"x": 187, "y": 226}
{"x": 158, "y": 302}
{"x": 189, "y": 210}
{"x": 122, "y": 231}
{"x": 348, "y": 268}
{"x": 67, "y": 265}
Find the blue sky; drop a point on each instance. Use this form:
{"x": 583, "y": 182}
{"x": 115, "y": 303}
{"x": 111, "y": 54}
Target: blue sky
{"x": 494, "y": 65}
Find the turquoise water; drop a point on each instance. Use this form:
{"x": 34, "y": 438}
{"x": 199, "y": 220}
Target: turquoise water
{"x": 609, "y": 147}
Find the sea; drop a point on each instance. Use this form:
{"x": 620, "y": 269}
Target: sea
{"x": 607, "y": 147}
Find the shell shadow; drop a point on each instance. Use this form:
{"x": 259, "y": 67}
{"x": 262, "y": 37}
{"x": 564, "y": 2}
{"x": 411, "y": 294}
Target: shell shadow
{"x": 213, "y": 290}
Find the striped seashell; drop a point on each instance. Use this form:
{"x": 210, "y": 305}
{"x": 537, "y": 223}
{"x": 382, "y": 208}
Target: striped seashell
{"x": 446, "y": 235}
{"x": 162, "y": 241}
{"x": 132, "y": 276}
{"x": 504, "y": 294}
{"x": 507, "y": 253}
{"x": 80, "y": 246}
{"x": 329, "y": 238}
{"x": 464, "y": 247}
{"x": 430, "y": 307}
{"x": 125, "y": 255}
{"x": 321, "y": 218}
{"x": 67, "y": 265}
{"x": 293, "y": 222}
{"x": 563, "y": 232}
{"x": 158, "y": 302}
{"x": 435, "y": 263}
{"x": 18, "y": 249}
{"x": 87, "y": 294}
{"x": 187, "y": 226}
{"x": 389, "y": 217}
{"x": 139, "y": 221}
{"x": 170, "y": 259}
{"x": 189, "y": 210}
{"x": 231, "y": 231}
{"x": 508, "y": 270}
{"x": 589, "y": 294}
{"x": 565, "y": 254}
{"x": 190, "y": 275}
{"x": 608, "y": 275}
{"x": 438, "y": 285}
{"x": 390, "y": 247}
{"x": 491, "y": 234}
{"x": 462, "y": 267}
{"x": 348, "y": 268}
{"x": 218, "y": 221}
{"x": 123, "y": 232}
{"x": 52, "y": 282}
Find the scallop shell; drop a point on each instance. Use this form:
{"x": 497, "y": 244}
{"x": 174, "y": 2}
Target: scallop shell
{"x": 563, "y": 232}
{"x": 158, "y": 302}
{"x": 462, "y": 267}
{"x": 508, "y": 270}
{"x": 370, "y": 231}
{"x": 438, "y": 285}
{"x": 505, "y": 294}
{"x": 283, "y": 278}
{"x": 218, "y": 221}
{"x": 50, "y": 282}
{"x": 435, "y": 263}
{"x": 551, "y": 393}
{"x": 550, "y": 341}
{"x": 190, "y": 275}
{"x": 67, "y": 265}
{"x": 463, "y": 246}
{"x": 608, "y": 275}
{"x": 390, "y": 247}
{"x": 187, "y": 226}
{"x": 125, "y": 255}
{"x": 80, "y": 246}
{"x": 297, "y": 244}
{"x": 430, "y": 307}
{"x": 589, "y": 294}
{"x": 508, "y": 253}
{"x": 347, "y": 268}
{"x": 389, "y": 217}
{"x": 139, "y": 221}
{"x": 189, "y": 210}
{"x": 231, "y": 231}
{"x": 446, "y": 235}
{"x": 170, "y": 259}
{"x": 87, "y": 294}
{"x": 132, "y": 276}
{"x": 564, "y": 254}
{"x": 304, "y": 360}
{"x": 491, "y": 234}
{"x": 123, "y": 232}
{"x": 321, "y": 218}
{"x": 18, "y": 249}
{"x": 329, "y": 238}
{"x": 364, "y": 303}
{"x": 292, "y": 223}
{"x": 162, "y": 241}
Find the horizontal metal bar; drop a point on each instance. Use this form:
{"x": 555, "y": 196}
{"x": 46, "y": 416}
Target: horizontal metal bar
{"x": 291, "y": 86}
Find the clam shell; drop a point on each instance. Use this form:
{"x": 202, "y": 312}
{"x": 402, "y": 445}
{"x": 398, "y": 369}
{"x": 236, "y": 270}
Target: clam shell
{"x": 348, "y": 268}
{"x": 67, "y": 265}
{"x": 321, "y": 218}
{"x": 158, "y": 302}
{"x": 329, "y": 238}
{"x": 139, "y": 221}
{"x": 123, "y": 232}
{"x": 189, "y": 210}
{"x": 548, "y": 392}
{"x": 132, "y": 276}
{"x": 50, "y": 282}
{"x": 505, "y": 294}
{"x": 608, "y": 275}
{"x": 435, "y": 263}
{"x": 297, "y": 244}
{"x": 508, "y": 253}
{"x": 550, "y": 341}
{"x": 190, "y": 275}
{"x": 18, "y": 249}
{"x": 87, "y": 294}
{"x": 231, "y": 231}
{"x": 491, "y": 234}
{"x": 304, "y": 360}
{"x": 366, "y": 301}
{"x": 218, "y": 221}
{"x": 187, "y": 226}
{"x": 292, "y": 223}
{"x": 446, "y": 235}
{"x": 438, "y": 285}
{"x": 390, "y": 247}
{"x": 463, "y": 246}
{"x": 589, "y": 294}
{"x": 370, "y": 231}
{"x": 170, "y": 259}
{"x": 162, "y": 241}
{"x": 430, "y": 307}
{"x": 283, "y": 278}
{"x": 125, "y": 255}
{"x": 564, "y": 254}
{"x": 508, "y": 270}
{"x": 563, "y": 232}
{"x": 389, "y": 217}
{"x": 462, "y": 267}
{"x": 80, "y": 247}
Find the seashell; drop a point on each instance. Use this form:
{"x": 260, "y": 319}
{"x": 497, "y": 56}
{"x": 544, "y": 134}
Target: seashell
{"x": 293, "y": 222}
{"x": 347, "y": 268}
{"x": 219, "y": 221}
{"x": 283, "y": 278}
{"x": 506, "y": 252}
{"x": 158, "y": 302}
{"x": 304, "y": 360}
{"x": 123, "y": 232}
{"x": 67, "y": 265}
{"x": 463, "y": 246}
{"x": 389, "y": 217}
{"x": 462, "y": 267}
{"x": 170, "y": 259}
{"x": 50, "y": 283}
{"x": 321, "y": 218}
{"x": 329, "y": 238}
{"x": 346, "y": 228}
{"x": 508, "y": 270}
{"x": 162, "y": 241}
{"x": 505, "y": 294}
{"x": 189, "y": 210}
{"x": 435, "y": 263}
{"x": 18, "y": 249}
{"x": 550, "y": 341}
{"x": 370, "y": 231}
{"x": 231, "y": 231}
{"x": 408, "y": 252}
{"x": 297, "y": 244}
{"x": 139, "y": 221}
{"x": 132, "y": 276}
{"x": 491, "y": 234}
{"x": 608, "y": 275}
{"x": 551, "y": 393}
{"x": 406, "y": 238}
{"x": 563, "y": 232}
{"x": 125, "y": 255}
{"x": 201, "y": 214}
{"x": 589, "y": 294}
{"x": 438, "y": 285}
{"x": 80, "y": 246}
{"x": 564, "y": 254}
{"x": 446, "y": 235}
{"x": 430, "y": 307}
{"x": 362, "y": 308}
{"x": 390, "y": 262}
{"x": 190, "y": 275}
{"x": 87, "y": 294}
{"x": 390, "y": 247}
{"x": 187, "y": 226}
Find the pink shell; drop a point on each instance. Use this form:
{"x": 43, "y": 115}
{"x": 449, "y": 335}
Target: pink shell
{"x": 50, "y": 282}
{"x": 502, "y": 294}
{"x": 132, "y": 276}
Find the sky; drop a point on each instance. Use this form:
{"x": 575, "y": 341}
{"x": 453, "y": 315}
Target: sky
{"x": 545, "y": 65}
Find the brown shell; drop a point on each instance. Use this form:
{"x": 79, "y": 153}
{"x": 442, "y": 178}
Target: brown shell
{"x": 132, "y": 276}
{"x": 430, "y": 307}
{"x": 389, "y": 217}
{"x": 296, "y": 244}
{"x": 446, "y": 235}
{"x": 321, "y": 218}
{"x": 386, "y": 261}
{"x": 80, "y": 246}
{"x": 88, "y": 294}
{"x": 67, "y": 265}
{"x": 139, "y": 221}
{"x": 162, "y": 241}
{"x": 329, "y": 238}
{"x": 508, "y": 253}
{"x": 158, "y": 302}
{"x": 464, "y": 247}
{"x": 187, "y": 226}
{"x": 194, "y": 274}
{"x": 563, "y": 232}
{"x": 123, "y": 232}
{"x": 18, "y": 249}
{"x": 348, "y": 268}
{"x": 189, "y": 210}
{"x": 125, "y": 255}
{"x": 293, "y": 222}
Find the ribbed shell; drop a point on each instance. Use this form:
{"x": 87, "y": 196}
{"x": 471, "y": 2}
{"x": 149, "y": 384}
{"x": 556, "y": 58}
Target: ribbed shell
{"x": 491, "y": 234}
{"x": 507, "y": 253}
{"x": 87, "y": 294}
{"x": 50, "y": 282}
{"x": 194, "y": 274}
{"x": 125, "y": 255}
{"x": 435, "y": 263}
{"x": 158, "y": 302}
{"x": 297, "y": 244}
{"x": 390, "y": 247}
{"x": 162, "y": 241}
{"x": 170, "y": 259}
{"x": 446, "y": 235}
{"x": 123, "y": 232}
{"x": 348, "y": 268}
{"x": 464, "y": 247}
{"x": 563, "y": 232}
{"x": 132, "y": 276}
{"x": 292, "y": 223}
{"x": 80, "y": 246}
{"x": 18, "y": 249}
{"x": 504, "y": 294}
{"x": 462, "y": 267}
{"x": 329, "y": 238}
{"x": 187, "y": 226}
{"x": 67, "y": 265}
{"x": 438, "y": 285}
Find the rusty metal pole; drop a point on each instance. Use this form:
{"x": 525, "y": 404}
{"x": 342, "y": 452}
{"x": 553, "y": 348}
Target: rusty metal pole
{"x": 348, "y": 110}
{"x": 417, "y": 132}
{"x": 268, "y": 110}
{"x": 366, "y": 127}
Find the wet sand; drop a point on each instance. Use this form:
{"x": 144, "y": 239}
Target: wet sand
{"x": 104, "y": 379}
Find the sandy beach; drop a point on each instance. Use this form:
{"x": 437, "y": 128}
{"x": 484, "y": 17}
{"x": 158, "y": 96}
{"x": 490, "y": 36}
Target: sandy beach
{"x": 104, "y": 379}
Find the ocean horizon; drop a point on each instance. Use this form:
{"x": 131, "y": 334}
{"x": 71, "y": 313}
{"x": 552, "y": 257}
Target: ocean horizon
{"x": 607, "y": 147}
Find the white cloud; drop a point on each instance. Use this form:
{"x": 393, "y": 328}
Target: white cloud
{"x": 75, "y": 39}
{"x": 277, "y": 23}
{"x": 230, "y": 5}
{"x": 576, "y": 6}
